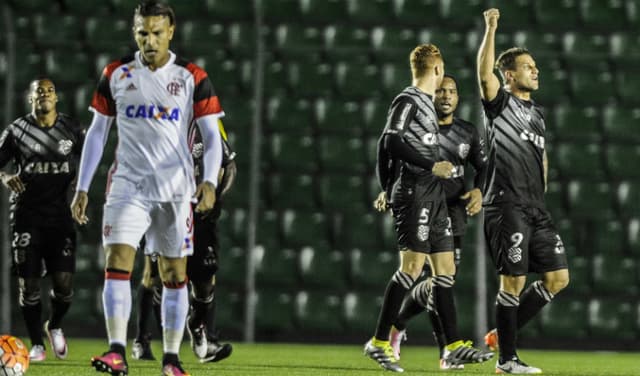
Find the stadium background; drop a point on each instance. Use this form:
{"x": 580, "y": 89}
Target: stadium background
{"x": 312, "y": 90}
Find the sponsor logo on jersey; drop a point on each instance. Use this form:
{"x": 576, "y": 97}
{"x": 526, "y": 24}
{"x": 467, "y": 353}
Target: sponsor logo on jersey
{"x": 458, "y": 171}
{"x": 152, "y": 112}
{"x": 131, "y": 87}
{"x": 463, "y": 150}
{"x": 430, "y": 138}
{"x": 126, "y": 72}
{"x": 106, "y": 230}
{"x": 537, "y": 140}
{"x": 65, "y": 146}
{"x": 47, "y": 168}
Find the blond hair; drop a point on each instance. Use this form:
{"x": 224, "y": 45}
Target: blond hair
{"x": 423, "y": 58}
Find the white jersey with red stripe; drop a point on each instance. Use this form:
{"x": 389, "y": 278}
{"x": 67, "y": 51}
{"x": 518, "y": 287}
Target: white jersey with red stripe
{"x": 153, "y": 111}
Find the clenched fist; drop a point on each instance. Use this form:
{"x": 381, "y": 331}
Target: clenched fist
{"x": 491, "y": 18}
{"x": 443, "y": 169}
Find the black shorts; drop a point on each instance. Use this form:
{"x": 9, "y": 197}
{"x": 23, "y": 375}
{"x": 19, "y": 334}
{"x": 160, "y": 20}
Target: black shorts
{"x": 37, "y": 249}
{"x": 458, "y": 215}
{"x": 523, "y": 239}
{"x": 420, "y": 212}
{"x": 203, "y": 264}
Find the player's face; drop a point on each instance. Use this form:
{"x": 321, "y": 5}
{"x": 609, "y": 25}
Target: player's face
{"x": 525, "y": 76}
{"x": 43, "y": 96}
{"x": 446, "y": 100}
{"x": 152, "y": 35}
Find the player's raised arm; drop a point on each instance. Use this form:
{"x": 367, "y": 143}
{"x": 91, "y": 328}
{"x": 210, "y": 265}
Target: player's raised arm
{"x": 488, "y": 81}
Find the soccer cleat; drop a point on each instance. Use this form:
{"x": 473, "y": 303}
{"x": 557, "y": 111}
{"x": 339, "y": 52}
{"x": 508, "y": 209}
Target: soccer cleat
{"x": 110, "y": 362}
{"x": 57, "y": 341}
{"x": 516, "y": 367}
{"x": 446, "y": 365}
{"x": 217, "y": 352}
{"x": 383, "y": 355}
{"x": 395, "y": 338}
{"x": 141, "y": 349}
{"x": 171, "y": 369}
{"x": 198, "y": 340}
{"x": 461, "y": 352}
{"x": 37, "y": 353}
{"x": 491, "y": 340}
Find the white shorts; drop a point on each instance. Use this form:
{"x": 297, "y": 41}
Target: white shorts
{"x": 167, "y": 226}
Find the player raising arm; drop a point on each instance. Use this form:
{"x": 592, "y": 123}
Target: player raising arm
{"x": 520, "y": 233}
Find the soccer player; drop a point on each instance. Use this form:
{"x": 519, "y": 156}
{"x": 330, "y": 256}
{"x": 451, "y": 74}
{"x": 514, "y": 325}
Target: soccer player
{"x": 520, "y": 233}
{"x": 409, "y": 170}
{"x": 201, "y": 270}
{"x": 154, "y": 96}
{"x": 459, "y": 144}
{"x": 45, "y": 146}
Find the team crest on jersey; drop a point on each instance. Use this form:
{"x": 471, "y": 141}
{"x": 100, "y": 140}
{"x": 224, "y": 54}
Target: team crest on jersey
{"x": 197, "y": 150}
{"x": 64, "y": 146}
{"x": 174, "y": 87}
{"x": 430, "y": 138}
{"x": 463, "y": 150}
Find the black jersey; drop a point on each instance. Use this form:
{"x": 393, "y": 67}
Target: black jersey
{"x": 413, "y": 115}
{"x": 197, "y": 150}
{"x": 460, "y": 143}
{"x": 47, "y": 161}
{"x": 515, "y": 134}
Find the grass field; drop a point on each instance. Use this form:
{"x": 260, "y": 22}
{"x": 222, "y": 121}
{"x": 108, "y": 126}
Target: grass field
{"x": 336, "y": 360}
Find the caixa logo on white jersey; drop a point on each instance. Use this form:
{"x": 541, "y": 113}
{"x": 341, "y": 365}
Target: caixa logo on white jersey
{"x": 537, "y": 140}
{"x": 47, "y": 168}
{"x": 152, "y": 112}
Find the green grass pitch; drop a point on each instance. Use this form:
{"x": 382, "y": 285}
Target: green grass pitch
{"x": 335, "y": 360}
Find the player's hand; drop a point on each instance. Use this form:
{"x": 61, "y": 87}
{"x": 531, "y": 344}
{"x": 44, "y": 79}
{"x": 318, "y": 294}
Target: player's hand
{"x": 206, "y": 195}
{"x": 491, "y": 18}
{"x": 13, "y": 182}
{"x": 380, "y": 203}
{"x": 443, "y": 169}
{"x": 475, "y": 201}
{"x": 79, "y": 207}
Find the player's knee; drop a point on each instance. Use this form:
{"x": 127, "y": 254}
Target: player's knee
{"x": 62, "y": 284}
{"x": 202, "y": 291}
{"x": 404, "y": 279}
{"x": 28, "y": 293}
{"x": 557, "y": 283}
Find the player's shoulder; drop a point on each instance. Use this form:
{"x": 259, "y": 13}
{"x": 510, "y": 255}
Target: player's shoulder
{"x": 20, "y": 122}
{"x": 68, "y": 120}
{"x": 195, "y": 70}
{"x": 115, "y": 64}
{"x": 462, "y": 123}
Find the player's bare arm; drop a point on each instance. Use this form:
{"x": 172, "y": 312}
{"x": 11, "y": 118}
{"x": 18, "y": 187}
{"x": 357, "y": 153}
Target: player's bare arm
{"x": 488, "y": 81}
{"x": 12, "y": 182}
{"x": 79, "y": 207}
{"x": 474, "y": 204}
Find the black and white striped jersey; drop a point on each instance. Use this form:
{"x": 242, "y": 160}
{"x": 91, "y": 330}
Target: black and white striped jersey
{"x": 47, "y": 161}
{"x": 515, "y": 136}
{"x": 413, "y": 115}
{"x": 460, "y": 142}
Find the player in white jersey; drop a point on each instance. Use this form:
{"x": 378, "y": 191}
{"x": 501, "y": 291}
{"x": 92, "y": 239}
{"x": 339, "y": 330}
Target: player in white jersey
{"x": 154, "y": 96}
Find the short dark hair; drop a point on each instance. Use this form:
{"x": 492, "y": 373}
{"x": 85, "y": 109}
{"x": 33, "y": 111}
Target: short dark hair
{"x": 149, "y": 8}
{"x": 507, "y": 59}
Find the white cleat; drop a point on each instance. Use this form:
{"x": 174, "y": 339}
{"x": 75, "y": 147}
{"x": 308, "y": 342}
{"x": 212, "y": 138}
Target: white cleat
{"x": 37, "y": 354}
{"x": 516, "y": 367}
{"x": 57, "y": 341}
